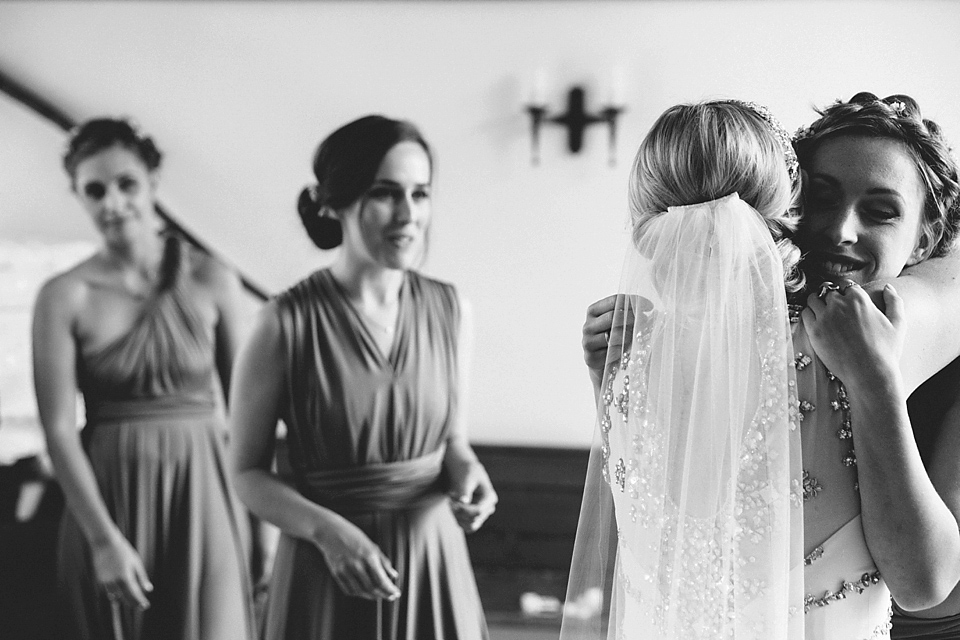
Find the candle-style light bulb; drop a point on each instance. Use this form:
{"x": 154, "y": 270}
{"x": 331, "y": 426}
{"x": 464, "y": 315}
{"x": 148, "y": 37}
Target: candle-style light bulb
{"x": 617, "y": 97}
{"x": 538, "y": 91}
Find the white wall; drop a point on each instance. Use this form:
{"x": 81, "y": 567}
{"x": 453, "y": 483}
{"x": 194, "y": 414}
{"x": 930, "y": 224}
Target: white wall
{"x": 239, "y": 93}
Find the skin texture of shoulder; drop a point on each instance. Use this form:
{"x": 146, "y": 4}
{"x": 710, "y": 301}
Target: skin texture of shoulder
{"x": 65, "y": 294}
{"x": 931, "y": 295}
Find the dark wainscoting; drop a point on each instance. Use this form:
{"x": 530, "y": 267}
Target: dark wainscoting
{"x": 527, "y": 544}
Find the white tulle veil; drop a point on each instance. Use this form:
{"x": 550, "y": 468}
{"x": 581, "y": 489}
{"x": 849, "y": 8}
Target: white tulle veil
{"x": 691, "y": 525}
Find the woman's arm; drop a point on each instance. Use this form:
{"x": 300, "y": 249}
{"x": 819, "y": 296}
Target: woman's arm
{"x": 357, "y": 564}
{"x": 944, "y": 472}
{"x": 910, "y": 531}
{"x": 117, "y": 567}
{"x": 473, "y": 495}
{"x": 224, "y": 286}
{"x": 931, "y": 295}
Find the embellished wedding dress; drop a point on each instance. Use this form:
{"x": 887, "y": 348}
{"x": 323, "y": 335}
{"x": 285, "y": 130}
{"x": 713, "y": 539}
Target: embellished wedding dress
{"x": 693, "y": 519}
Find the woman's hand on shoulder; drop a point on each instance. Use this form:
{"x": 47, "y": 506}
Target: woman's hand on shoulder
{"x": 595, "y": 334}
{"x": 357, "y": 564}
{"x": 857, "y": 341}
{"x": 119, "y": 571}
{"x": 608, "y": 328}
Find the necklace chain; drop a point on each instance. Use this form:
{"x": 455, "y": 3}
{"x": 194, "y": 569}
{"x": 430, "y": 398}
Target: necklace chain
{"x": 369, "y": 320}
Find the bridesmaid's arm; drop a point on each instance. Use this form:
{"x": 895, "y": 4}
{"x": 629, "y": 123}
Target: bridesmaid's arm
{"x": 259, "y": 382}
{"x": 473, "y": 495}
{"x": 944, "y": 472}
{"x": 117, "y": 567}
{"x": 931, "y": 295}
{"x": 224, "y": 285}
{"x": 910, "y": 530}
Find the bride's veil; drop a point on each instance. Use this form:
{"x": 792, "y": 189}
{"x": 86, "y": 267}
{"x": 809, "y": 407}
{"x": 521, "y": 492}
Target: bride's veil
{"x": 691, "y": 525}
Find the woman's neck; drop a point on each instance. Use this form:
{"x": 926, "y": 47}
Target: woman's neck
{"x": 143, "y": 257}
{"x": 370, "y": 285}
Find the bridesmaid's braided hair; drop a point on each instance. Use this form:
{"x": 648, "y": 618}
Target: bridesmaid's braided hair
{"x": 93, "y": 136}
{"x": 898, "y": 117}
{"x": 97, "y": 134}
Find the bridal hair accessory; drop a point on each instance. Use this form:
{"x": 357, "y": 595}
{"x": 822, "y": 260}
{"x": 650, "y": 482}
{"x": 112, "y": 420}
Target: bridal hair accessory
{"x": 314, "y": 192}
{"x": 692, "y": 517}
{"x": 793, "y": 166}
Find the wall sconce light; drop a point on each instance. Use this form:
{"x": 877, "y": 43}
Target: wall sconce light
{"x": 576, "y": 119}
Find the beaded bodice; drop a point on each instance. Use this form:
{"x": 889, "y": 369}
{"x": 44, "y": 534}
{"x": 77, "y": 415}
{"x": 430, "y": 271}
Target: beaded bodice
{"x": 845, "y": 596}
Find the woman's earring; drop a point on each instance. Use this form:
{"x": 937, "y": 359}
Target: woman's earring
{"x": 920, "y": 252}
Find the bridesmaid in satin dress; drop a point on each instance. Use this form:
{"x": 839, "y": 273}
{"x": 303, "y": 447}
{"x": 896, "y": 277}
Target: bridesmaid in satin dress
{"x": 152, "y": 543}
{"x": 366, "y": 364}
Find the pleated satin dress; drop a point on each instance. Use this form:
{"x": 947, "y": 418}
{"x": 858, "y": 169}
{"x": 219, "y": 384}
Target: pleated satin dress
{"x": 154, "y": 435}
{"x": 366, "y": 434}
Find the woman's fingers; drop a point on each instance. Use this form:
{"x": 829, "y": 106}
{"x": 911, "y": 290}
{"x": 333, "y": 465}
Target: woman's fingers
{"x": 127, "y": 592}
{"x": 370, "y": 577}
{"x": 602, "y": 306}
{"x": 894, "y": 305}
{"x": 348, "y": 582}
{"x": 142, "y": 579}
{"x": 381, "y": 584}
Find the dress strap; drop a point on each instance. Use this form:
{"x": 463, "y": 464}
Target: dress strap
{"x": 378, "y": 487}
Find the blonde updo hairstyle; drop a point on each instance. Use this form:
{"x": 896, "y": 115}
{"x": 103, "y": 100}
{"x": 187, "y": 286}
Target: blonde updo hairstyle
{"x": 695, "y": 153}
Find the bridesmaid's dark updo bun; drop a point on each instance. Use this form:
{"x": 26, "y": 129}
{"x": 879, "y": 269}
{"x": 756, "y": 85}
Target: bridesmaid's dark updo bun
{"x": 345, "y": 165}
{"x": 93, "y": 136}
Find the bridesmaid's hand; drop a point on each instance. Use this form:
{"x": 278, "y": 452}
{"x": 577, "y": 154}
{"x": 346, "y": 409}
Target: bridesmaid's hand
{"x": 357, "y": 564}
{"x": 857, "y": 342}
{"x": 120, "y": 573}
{"x": 472, "y": 495}
{"x": 596, "y": 334}
{"x": 609, "y": 322}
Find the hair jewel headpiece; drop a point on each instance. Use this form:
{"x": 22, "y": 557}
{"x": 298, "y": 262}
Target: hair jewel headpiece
{"x": 899, "y": 107}
{"x": 793, "y": 166}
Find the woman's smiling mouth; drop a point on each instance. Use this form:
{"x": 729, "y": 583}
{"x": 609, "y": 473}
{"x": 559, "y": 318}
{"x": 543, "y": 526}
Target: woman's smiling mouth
{"x": 834, "y": 266}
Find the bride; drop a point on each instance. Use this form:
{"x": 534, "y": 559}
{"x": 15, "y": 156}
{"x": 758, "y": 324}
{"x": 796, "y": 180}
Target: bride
{"x": 721, "y": 435}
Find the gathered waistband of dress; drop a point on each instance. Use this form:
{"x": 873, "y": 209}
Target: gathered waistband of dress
{"x": 173, "y": 406}
{"x": 407, "y": 484}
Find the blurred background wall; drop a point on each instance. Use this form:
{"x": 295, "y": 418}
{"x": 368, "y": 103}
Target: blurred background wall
{"x": 238, "y": 94}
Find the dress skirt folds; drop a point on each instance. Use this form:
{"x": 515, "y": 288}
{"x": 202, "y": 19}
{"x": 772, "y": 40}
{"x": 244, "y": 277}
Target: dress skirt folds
{"x": 154, "y": 437}
{"x": 366, "y": 435}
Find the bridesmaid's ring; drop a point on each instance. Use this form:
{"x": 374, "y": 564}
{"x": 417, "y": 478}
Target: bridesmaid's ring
{"x": 826, "y": 288}
{"x": 847, "y": 284}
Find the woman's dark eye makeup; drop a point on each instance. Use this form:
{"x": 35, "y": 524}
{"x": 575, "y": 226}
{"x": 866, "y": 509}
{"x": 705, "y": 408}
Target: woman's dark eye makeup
{"x": 882, "y": 211}
{"x": 128, "y": 184}
{"x": 94, "y": 190}
{"x": 383, "y": 192}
